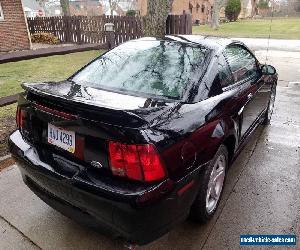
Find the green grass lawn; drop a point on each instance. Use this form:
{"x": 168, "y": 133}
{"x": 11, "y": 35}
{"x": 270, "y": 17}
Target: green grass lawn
{"x": 8, "y": 110}
{"x": 52, "y": 68}
{"x": 282, "y": 28}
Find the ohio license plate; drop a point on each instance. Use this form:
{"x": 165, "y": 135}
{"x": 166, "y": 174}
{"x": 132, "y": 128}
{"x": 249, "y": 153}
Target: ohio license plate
{"x": 61, "y": 138}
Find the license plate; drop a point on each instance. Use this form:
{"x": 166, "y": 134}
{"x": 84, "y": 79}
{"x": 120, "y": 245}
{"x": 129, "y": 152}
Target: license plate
{"x": 61, "y": 138}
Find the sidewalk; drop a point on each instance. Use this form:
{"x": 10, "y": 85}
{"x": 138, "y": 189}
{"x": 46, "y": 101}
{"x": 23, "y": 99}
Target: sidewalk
{"x": 274, "y": 44}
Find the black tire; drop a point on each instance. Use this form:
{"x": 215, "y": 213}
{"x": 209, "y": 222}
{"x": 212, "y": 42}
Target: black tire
{"x": 270, "y": 108}
{"x": 199, "y": 211}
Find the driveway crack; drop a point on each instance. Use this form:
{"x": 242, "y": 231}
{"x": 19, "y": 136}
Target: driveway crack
{"x": 26, "y": 237}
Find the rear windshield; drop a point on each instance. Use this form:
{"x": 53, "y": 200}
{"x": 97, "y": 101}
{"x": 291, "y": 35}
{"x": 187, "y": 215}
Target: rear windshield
{"x": 155, "y": 68}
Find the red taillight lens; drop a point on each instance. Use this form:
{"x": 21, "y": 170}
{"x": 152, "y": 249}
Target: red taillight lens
{"x": 20, "y": 117}
{"x": 132, "y": 162}
{"x": 137, "y": 162}
{"x": 151, "y": 163}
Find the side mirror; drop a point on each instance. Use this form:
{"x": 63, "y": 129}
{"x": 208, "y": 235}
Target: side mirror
{"x": 268, "y": 70}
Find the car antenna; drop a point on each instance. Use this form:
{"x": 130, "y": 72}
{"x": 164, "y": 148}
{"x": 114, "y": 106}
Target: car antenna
{"x": 270, "y": 30}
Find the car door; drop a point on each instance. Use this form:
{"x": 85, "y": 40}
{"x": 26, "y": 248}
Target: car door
{"x": 248, "y": 78}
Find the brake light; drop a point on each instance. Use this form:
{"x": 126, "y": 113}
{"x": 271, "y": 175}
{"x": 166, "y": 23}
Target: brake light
{"x": 55, "y": 112}
{"x": 20, "y": 117}
{"x": 137, "y": 162}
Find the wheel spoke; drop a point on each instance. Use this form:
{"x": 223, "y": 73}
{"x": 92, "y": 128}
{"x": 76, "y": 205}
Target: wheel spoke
{"x": 219, "y": 173}
{"x": 214, "y": 193}
{"x": 210, "y": 184}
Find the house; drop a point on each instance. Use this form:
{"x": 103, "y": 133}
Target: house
{"x": 201, "y": 10}
{"x": 13, "y": 26}
{"x": 86, "y": 8}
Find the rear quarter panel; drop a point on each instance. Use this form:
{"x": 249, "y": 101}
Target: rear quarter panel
{"x": 190, "y": 135}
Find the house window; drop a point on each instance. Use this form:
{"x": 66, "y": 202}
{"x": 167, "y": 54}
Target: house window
{"x": 1, "y": 13}
{"x": 202, "y": 8}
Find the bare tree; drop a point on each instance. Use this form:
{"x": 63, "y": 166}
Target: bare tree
{"x": 113, "y": 5}
{"x": 155, "y": 20}
{"x": 253, "y": 8}
{"x": 42, "y": 3}
{"x": 215, "y": 20}
{"x": 65, "y": 6}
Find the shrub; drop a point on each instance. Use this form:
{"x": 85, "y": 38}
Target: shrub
{"x": 47, "y": 38}
{"x": 232, "y": 10}
{"x": 130, "y": 13}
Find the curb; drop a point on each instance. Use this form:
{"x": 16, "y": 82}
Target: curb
{"x": 3, "y": 158}
{"x": 6, "y": 161}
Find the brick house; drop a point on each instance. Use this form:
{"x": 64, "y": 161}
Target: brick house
{"x": 86, "y": 8}
{"x": 13, "y": 27}
{"x": 201, "y": 10}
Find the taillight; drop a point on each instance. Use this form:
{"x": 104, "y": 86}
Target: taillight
{"x": 137, "y": 162}
{"x": 20, "y": 117}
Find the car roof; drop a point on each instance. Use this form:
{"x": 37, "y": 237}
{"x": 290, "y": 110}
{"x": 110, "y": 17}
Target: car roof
{"x": 211, "y": 42}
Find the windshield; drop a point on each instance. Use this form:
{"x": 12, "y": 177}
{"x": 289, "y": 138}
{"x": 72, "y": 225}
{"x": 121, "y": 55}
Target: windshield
{"x": 157, "y": 68}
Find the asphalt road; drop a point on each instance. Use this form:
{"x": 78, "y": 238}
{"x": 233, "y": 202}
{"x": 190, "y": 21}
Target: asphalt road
{"x": 261, "y": 194}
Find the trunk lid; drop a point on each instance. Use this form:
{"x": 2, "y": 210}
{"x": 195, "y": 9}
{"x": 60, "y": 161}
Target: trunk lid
{"x": 94, "y": 117}
{"x": 115, "y": 108}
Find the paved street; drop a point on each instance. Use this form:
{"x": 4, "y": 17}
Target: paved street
{"x": 261, "y": 194}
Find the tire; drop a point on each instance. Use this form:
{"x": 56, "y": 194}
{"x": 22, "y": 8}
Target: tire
{"x": 269, "y": 111}
{"x": 205, "y": 205}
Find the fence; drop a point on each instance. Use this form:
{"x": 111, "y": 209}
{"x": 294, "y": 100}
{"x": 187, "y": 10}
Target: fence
{"x": 179, "y": 24}
{"x": 83, "y": 29}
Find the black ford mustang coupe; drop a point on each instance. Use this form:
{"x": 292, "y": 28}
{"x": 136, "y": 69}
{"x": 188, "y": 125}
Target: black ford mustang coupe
{"x": 141, "y": 138}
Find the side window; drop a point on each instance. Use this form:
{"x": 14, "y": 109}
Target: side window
{"x": 242, "y": 63}
{"x": 225, "y": 74}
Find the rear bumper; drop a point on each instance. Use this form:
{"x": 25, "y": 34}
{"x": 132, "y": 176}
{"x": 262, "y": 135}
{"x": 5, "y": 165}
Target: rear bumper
{"x": 102, "y": 208}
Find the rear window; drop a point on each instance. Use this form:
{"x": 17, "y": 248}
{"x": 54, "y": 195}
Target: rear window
{"x": 157, "y": 68}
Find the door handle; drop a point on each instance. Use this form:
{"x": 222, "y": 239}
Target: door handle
{"x": 250, "y": 96}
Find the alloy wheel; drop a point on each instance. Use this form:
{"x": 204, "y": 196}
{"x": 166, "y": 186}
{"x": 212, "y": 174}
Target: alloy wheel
{"x": 215, "y": 184}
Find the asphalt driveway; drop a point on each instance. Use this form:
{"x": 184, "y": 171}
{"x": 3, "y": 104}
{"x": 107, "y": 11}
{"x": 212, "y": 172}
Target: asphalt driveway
{"x": 262, "y": 194}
